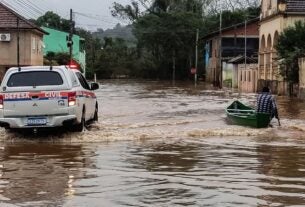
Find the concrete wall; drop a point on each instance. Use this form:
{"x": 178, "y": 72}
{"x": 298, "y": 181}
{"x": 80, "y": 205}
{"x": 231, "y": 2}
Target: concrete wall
{"x": 302, "y": 78}
{"x": 277, "y": 87}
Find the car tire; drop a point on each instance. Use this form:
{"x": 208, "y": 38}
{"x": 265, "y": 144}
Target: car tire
{"x": 95, "y": 118}
{"x": 82, "y": 125}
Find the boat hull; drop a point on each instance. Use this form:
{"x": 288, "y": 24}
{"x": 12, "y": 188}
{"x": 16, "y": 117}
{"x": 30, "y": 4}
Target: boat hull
{"x": 240, "y": 114}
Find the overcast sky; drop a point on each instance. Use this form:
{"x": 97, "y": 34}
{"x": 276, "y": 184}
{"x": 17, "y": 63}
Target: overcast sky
{"x": 98, "y": 10}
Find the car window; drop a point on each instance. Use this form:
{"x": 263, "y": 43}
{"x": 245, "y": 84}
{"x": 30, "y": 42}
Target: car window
{"x": 83, "y": 81}
{"x": 73, "y": 78}
{"x": 35, "y": 78}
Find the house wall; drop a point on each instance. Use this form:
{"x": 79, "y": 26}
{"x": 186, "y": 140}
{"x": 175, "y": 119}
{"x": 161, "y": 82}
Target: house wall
{"x": 56, "y": 41}
{"x": 271, "y": 26}
{"x": 30, "y": 49}
{"x": 252, "y": 30}
{"x": 212, "y": 62}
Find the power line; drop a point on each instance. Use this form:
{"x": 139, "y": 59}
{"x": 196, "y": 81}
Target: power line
{"x": 25, "y": 8}
{"x": 30, "y": 6}
{"x": 95, "y": 17}
{"x": 17, "y": 9}
{"x": 37, "y": 7}
{"x": 43, "y": 5}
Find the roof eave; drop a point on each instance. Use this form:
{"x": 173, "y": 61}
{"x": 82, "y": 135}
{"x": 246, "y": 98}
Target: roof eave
{"x": 208, "y": 36}
{"x": 24, "y": 19}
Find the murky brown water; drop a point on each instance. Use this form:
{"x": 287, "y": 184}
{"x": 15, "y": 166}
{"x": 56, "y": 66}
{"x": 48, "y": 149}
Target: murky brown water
{"x": 159, "y": 145}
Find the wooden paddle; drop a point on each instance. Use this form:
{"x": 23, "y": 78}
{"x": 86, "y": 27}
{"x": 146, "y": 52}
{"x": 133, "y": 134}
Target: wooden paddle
{"x": 278, "y": 119}
{"x": 277, "y": 116}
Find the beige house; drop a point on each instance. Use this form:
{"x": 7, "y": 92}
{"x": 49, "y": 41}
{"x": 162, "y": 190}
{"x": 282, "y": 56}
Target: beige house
{"x": 30, "y": 41}
{"x": 276, "y": 15}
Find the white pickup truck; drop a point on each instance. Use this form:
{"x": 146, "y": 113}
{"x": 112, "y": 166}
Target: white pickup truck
{"x": 45, "y": 96}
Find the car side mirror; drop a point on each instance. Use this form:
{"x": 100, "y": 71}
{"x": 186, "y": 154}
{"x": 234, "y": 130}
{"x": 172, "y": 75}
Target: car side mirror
{"x": 94, "y": 86}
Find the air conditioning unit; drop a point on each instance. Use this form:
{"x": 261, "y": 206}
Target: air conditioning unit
{"x": 5, "y": 37}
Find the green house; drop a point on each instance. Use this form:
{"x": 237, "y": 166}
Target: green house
{"x": 56, "y": 41}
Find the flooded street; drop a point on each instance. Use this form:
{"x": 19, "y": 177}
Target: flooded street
{"x": 159, "y": 145}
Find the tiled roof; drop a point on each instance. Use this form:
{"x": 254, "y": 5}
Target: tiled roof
{"x": 295, "y": 6}
{"x": 8, "y": 20}
{"x": 242, "y": 24}
{"x": 241, "y": 59}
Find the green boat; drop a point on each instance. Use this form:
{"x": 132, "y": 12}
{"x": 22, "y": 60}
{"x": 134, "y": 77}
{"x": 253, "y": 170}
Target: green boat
{"x": 240, "y": 114}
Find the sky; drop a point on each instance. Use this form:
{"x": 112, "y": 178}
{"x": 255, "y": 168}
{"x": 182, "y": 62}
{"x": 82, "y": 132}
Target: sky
{"x": 97, "y": 10}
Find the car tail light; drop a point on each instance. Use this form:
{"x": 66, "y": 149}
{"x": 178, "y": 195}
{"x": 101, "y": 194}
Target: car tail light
{"x": 1, "y": 101}
{"x": 72, "y": 98}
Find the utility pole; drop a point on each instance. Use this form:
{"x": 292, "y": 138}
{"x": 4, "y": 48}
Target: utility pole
{"x": 174, "y": 66}
{"x": 246, "y": 43}
{"x": 220, "y": 50}
{"x": 18, "y": 43}
{"x": 70, "y": 38}
{"x": 196, "y": 58}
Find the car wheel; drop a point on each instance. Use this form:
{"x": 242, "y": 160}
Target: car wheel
{"x": 95, "y": 118}
{"x": 82, "y": 125}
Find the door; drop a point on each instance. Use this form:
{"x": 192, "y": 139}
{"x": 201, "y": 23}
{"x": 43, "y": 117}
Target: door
{"x": 88, "y": 95}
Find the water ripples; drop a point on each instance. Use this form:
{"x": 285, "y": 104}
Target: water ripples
{"x": 159, "y": 145}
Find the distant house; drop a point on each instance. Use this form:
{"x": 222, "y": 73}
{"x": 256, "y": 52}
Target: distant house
{"x": 56, "y": 41}
{"x": 30, "y": 40}
{"x": 276, "y": 15}
{"x": 227, "y": 44}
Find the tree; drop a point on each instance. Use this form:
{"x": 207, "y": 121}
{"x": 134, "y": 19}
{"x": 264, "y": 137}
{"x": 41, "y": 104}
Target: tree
{"x": 167, "y": 35}
{"x": 59, "y": 58}
{"x": 167, "y": 30}
{"x": 53, "y": 20}
{"x": 129, "y": 12}
{"x": 291, "y": 47}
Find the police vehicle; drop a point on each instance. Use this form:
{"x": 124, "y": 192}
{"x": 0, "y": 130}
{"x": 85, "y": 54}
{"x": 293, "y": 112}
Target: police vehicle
{"x": 45, "y": 96}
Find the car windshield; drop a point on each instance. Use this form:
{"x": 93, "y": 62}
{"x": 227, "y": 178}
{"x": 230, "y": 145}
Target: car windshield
{"x": 35, "y": 78}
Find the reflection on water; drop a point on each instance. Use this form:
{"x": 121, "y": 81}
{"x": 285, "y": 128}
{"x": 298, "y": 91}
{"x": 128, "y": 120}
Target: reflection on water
{"x": 175, "y": 148}
{"x": 228, "y": 171}
{"x": 38, "y": 172}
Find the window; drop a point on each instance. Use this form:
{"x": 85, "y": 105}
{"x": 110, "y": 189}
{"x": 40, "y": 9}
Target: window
{"x": 73, "y": 78}
{"x": 83, "y": 81}
{"x": 35, "y": 78}
{"x": 33, "y": 43}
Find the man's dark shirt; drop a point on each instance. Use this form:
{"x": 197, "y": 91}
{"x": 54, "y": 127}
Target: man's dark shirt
{"x": 266, "y": 104}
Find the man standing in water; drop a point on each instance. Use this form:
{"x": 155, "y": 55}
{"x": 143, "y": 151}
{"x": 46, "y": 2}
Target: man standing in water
{"x": 266, "y": 103}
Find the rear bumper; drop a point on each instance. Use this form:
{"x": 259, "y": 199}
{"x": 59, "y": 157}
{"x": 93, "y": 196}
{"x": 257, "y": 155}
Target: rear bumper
{"x": 52, "y": 121}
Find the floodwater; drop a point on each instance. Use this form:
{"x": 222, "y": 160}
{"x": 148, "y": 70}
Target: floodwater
{"x": 159, "y": 145}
